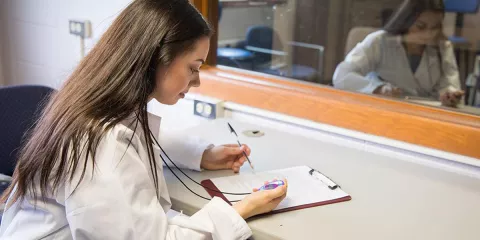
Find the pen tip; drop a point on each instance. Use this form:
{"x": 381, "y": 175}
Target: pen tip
{"x": 231, "y": 129}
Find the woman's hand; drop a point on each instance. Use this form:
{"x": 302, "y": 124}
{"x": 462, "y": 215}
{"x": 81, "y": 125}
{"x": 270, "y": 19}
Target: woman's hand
{"x": 228, "y": 156}
{"x": 388, "y": 90}
{"x": 451, "y": 99}
{"x": 260, "y": 202}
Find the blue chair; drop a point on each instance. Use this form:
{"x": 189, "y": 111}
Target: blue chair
{"x": 20, "y": 107}
{"x": 260, "y": 38}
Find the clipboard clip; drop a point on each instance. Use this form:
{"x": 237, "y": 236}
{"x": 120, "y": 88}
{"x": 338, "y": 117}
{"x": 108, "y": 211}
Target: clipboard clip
{"x": 327, "y": 181}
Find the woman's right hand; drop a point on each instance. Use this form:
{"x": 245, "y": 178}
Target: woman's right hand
{"x": 451, "y": 99}
{"x": 260, "y": 202}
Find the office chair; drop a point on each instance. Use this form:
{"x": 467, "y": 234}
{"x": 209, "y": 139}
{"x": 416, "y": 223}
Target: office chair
{"x": 20, "y": 107}
{"x": 357, "y": 35}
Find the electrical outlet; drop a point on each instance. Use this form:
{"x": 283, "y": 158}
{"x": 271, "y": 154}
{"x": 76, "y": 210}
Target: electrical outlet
{"x": 210, "y": 108}
{"x": 82, "y": 29}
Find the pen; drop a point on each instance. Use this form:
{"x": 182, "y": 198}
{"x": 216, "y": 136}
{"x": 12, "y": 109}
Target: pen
{"x": 240, "y": 145}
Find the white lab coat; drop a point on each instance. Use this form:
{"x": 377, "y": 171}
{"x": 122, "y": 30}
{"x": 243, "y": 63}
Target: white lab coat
{"x": 118, "y": 201}
{"x": 381, "y": 58}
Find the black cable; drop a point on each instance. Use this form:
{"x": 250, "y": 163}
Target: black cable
{"x": 171, "y": 170}
{"x": 179, "y": 179}
{"x": 240, "y": 194}
{"x": 185, "y": 185}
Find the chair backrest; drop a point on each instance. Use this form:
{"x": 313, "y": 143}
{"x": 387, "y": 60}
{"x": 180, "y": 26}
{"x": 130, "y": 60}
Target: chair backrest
{"x": 20, "y": 107}
{"x": 263, "y": 37}
{"x": 357, "y": 35}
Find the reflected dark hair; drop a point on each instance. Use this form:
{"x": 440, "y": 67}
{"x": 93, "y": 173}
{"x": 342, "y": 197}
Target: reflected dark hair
{"x": 111, "y": 84}
{"x": 408, "y": 13}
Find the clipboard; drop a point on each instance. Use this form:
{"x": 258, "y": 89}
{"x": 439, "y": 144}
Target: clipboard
{"x": 307, "y": 187}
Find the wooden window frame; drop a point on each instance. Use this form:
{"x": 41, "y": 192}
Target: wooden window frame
{"x": 426, "y": 126}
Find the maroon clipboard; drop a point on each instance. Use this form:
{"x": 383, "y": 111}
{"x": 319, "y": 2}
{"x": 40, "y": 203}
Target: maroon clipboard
{"x": 208, "y": 185}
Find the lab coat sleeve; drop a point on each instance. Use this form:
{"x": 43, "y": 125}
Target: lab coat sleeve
{"x": 450, "y": 81}
{"x": 184, "y": 150}
{"x": 224, "y": 223}
{"x": 363, "y": 59}
{"x": 118, "y": 201}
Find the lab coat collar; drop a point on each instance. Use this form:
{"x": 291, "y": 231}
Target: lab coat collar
{"x": 153, "y": 123}
{"x": 154, "y": 126}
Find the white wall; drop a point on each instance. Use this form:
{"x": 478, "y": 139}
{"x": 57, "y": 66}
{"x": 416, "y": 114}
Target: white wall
{"x": 38, "y": 48}
{"x": 2, "y": 78}
{"x": 235, "y": 21}
{"x": 2, "y": 55}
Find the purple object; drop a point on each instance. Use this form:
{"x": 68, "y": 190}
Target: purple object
{"x": 272, "y": 185}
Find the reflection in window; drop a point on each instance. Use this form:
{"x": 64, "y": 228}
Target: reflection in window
{"x": 359, "y": 45}
{"x": 410, "y": 57}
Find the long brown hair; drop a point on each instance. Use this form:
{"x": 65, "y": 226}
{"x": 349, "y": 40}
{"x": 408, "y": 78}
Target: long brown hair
{"x": 113, "y": 82}
{"x": 408, "y": 13}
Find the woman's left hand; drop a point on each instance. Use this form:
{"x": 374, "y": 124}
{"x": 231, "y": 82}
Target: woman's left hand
{"x": 228, "y": 156}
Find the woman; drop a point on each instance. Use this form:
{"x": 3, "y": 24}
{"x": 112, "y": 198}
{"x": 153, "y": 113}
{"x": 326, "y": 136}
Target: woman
{"x": 410, "y": 57}
{"x": 91, "y": 167}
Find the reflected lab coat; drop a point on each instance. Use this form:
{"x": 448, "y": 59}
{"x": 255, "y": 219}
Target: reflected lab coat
{"x": 381, "y": 58}
{"x": 119, "y": 202}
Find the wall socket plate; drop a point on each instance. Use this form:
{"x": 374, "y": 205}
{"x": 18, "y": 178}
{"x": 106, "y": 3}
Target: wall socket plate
{"x": 211, "y": 109}
{"x": 82, "y": 29}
